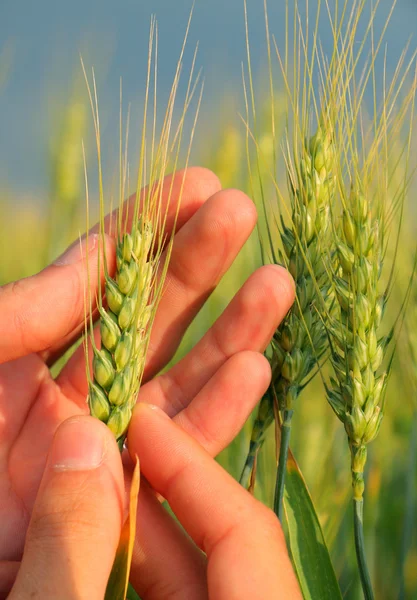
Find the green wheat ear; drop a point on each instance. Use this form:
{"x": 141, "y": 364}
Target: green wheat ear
{"x": 124, "y": 329}
{"x": 373, "y": 185}
{"x": 300, "y": 340}
{"x": 357, "y": 391}
{"x": 143, "y": 248}
{"x": 297, "y": 228}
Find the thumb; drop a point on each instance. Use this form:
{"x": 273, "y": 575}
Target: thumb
{"x": 76, "y": 521}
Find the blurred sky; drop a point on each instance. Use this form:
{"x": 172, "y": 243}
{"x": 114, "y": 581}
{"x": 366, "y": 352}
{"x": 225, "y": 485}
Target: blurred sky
{"x": 43, "y": 39}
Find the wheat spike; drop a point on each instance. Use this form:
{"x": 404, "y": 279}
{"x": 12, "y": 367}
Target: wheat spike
{"x": 143, "y": 247}
{"x": 301, "y": 338}
{"x": 357, "y": 391}
{"x": 124, "y": 330}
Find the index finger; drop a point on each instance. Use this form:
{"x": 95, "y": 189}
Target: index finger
{"x": 45, "y": 313}
{"x": 241, "y": 537}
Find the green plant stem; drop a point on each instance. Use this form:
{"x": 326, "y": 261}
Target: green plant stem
{"x": 360, "y": 549}
{"x": 247, "y": 470}
{"x": 409, "y": 514}
{"x": 282, "y": 462}
{"x": 263, "y": 420}
{"x": 121, "y": 442}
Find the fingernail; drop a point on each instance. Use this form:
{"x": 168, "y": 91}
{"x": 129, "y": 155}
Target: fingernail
{"x": 78, "y": 250}
{"x": 79, "y": 445}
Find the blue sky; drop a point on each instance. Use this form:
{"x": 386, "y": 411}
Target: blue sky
{"x": 45, "y": 38}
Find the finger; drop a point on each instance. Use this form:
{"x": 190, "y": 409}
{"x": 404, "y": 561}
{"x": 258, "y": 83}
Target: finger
{"x": 76, "y": 521}
{"x": 221, "y": 408}
{"x": 45, "y": 312}
{"x": 21, "y": 381}
{"x": 8, "y": 572}
{"x": 248, "y": 323}
{"x": 37, "y": 311}
{"x": 243, "y": 539}
{"x": 203, "y": 251}
{"x": 165, "y": 563}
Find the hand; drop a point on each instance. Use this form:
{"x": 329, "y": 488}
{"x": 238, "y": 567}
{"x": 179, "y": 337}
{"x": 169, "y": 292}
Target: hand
{"x": 77, "y": 516}
{"x": 42, "y": 315}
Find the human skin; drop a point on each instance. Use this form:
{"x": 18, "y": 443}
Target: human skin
{"x": 61, "y": 478}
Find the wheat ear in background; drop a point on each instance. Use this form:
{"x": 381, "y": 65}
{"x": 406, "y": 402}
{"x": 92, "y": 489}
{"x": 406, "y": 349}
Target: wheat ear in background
{"x": 143, "y": 248}
{"x": 301, "y": 339}
{"x": 297, "y": 227}
{"x": 357, "y": 391}
{"x": 366, "y": 238}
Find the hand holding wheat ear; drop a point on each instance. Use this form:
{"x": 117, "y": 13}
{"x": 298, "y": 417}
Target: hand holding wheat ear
{"x": 40, "y": 316}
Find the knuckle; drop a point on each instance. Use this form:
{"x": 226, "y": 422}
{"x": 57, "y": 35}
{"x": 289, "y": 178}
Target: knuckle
{"x": 263, "y": 520}
{"x": 175, "y": 479}
{"x": 271, "y": 524}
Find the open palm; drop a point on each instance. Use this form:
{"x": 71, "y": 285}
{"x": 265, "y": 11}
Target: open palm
{"x": 210, "y": 392}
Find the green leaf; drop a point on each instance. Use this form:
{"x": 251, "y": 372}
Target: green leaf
{"x": 309, "y": 552}
{"x": 117, "y": 586}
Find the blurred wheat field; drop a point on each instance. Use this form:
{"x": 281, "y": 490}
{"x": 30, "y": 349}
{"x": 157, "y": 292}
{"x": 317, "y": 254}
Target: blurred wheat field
{"x": 33, "y": 234}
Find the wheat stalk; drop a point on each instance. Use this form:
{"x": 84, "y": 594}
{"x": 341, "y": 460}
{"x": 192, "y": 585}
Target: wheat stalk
{"x": 143, "y": 248}
{"x": 301, "y": 339}
{"x": 357, "y": 393}
{"x": 304, "y": 232}
{"x": 362, "y": 345}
